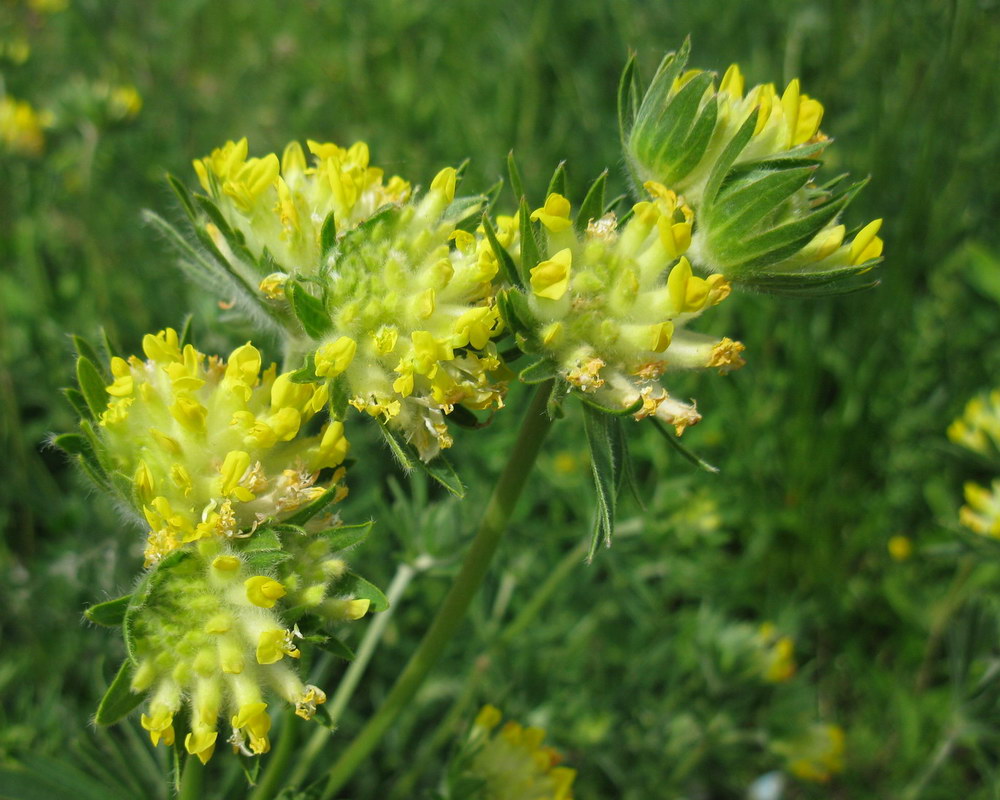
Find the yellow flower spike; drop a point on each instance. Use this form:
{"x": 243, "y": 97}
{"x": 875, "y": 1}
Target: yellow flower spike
{"x": 866, "y": 244}
{"x": 333, "y": 447}
{"x": 674, "y": 236}
{"x": 220, "y": 623}
{"x": 305, "y": 705}
{"x": 160, "y": 726}
{"x": 445, "y": 182}
{"x": 293, "y": 159}
{"x": 424, "y": 304}
{"x": 488, "y": 717}
{"x": 243, "y": 368}
{"x": 725, "y": 356}
{"x": 809, "y": 118}
{"x": 733, "y": 82}
{"x": 145, "y": 483}
{"x": 285, "y": 424}
{"x": 660, "y": 336}
{"x": 273, "y": 645}
{"x": 201, "y": 744}
{"x": 286, "y": 210}
{"x": 162, "y": 347}
{"x": 333, "y": 358}
{"x": 263, "y": 591}
{"x": 900, "y": 548}
{"x": 233, "y": 468}
{"x": 463, "y": 239}
{"x": 550, "y": 279}
{"x": 554, "y": 215}
{"x": 273, "y": 286}
{"x": 122, "y": 386}
{"x": 677, "y": 284}
{"x": 253, "y": 718}
{"x": 428, "y": 351}
{"x": 790, "y": 107}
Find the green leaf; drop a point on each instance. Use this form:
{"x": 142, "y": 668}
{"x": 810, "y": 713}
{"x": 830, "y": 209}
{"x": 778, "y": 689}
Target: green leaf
{"x": 560, "y": 391}
{"x": 492, "y": 194}
{"x": 333, "y": 645}
{"x": 628, "y": 100}
{"x": 728, "y": 157}
{"x": 353, "y": 585}
{"x": 740, "y": 207}
{"x": 462, "y": 211}
{"x": 75, "y": 398}
{"x": 142, "y": 593}
{"x": 692, "y": 150}
{"x": 508, "y": 269}
{"x": 185, "y": 337}
{"x": 530, "y": 253}
{"x": 306, "y": 373}
{"x": 516, "y": 184}
{"x": 183, "y": 195}
{"x": 592, "y": 206}
{"x": 309, "y": 310}
{"x": 91, "y": 386}
{"x": 339, "y": 396}
{"x": 328, "y": 235}
{"x": 540, "y": 371}
{"x": 669, "y": 132}
{"x": 558, "y": 182}
{"x": 606, "y": 460}
{"x": 110, "y": 613}
{"x": 440, "y": 469}
{"x": 398, "y": 447}
{"x": 87, "y": 350}
{"x": 119, "y": 700}
{"x": 265, "y": 539}
{"x": 687, "y": 454}
{"x": 345, "y": 536}
{"x": 72, "y": 443}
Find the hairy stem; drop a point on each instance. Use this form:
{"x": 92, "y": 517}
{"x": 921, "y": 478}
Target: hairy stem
{"x": 535, "y": 425}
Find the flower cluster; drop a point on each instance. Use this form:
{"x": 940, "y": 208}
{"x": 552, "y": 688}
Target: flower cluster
{"x": 815, "y": 756}
{"x": 207, "y": 631}
{"x": 746, "y": 161}
{"x": 512, "y": 764}
{"x": 21, "y": 127}
{"x": 608, "y": 305}
{"x": 978, "y": 430}
{"x": 234, "y": 472}
{"x": 213, "y": 448}
{"x": 395, "y": 296}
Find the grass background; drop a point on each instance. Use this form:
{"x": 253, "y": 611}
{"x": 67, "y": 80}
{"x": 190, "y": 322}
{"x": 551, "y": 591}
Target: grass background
{"x": 831, "y": 440}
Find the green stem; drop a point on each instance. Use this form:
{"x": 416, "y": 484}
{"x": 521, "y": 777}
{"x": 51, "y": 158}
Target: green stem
{"x": 345, "y": 689}
{"x": 191, "y": 779}
{"x": 269, "y": 783}
{"x": 535, "y": 425}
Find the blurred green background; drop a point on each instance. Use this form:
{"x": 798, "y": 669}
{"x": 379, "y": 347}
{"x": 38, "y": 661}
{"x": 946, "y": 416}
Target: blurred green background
{"x": 644, "y": 666}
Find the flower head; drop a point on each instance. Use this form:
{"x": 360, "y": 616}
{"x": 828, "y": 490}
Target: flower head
{"x": 212, "y": 448}
{"x": 746, "y": 161}
{"x": 205, "y": 633}
{"x": 21, "y": 127}
{"x": 510, "y": 762}
{"x": 608, "y": 306}
{"x": 391, "y": 295}
{"x": 817, "y": 755}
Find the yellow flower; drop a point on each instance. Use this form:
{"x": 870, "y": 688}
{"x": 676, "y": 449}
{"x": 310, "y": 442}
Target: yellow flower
{"x": 198, "y": 639}
{"x": 609, "y": 308}
{"x": 213, "y": 447}
{"x": 20, "y": 127}
{"x": 512, "y": 764}
{"x": 817, "y": 755}
{"x": 394, "y": 299}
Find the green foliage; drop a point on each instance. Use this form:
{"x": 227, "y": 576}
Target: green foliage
{"x": 829, "y": 442}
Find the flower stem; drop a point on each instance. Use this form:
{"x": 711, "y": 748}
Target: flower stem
{"x": 535, "y": 425}
{"x": 191, "y": 779}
